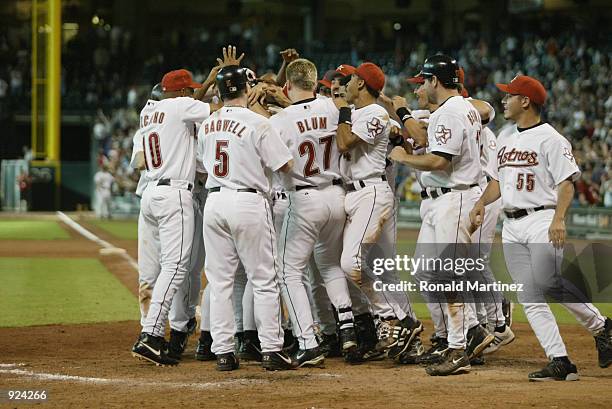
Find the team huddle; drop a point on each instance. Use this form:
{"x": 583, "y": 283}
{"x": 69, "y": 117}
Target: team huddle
{"x": 282, "y": 190}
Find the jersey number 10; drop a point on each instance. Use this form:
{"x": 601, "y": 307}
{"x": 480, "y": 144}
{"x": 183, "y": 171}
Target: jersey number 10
{"x": 155, "y": 150}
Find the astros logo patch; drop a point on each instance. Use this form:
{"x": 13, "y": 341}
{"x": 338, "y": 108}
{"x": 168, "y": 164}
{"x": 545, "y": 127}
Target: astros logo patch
{"x": 568, "y": 154}
{"x": 442, "y": 134}
{"x": 375, "y": 127}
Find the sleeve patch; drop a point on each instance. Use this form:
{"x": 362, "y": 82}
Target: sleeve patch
{"x": 442, "y": 134}
{"x": 375, "y": 127}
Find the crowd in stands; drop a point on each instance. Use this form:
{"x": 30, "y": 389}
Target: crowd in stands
{"x": 100, "y": 75}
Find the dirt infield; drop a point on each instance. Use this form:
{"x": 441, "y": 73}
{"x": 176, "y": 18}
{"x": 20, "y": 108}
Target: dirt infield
{"x": 90, "y": 366}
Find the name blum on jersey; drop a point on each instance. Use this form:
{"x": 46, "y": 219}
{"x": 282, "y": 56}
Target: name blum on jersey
{"x": 224, "y": 125}
{"x": 309, "y": 124}
{"x": 516, "y": 158}
{"x": 155, "y": 118}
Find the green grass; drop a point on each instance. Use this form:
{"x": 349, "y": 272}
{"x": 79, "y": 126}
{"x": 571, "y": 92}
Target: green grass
{"x": 39, "y": 291}
{"x": 121, "y": 229}
{"x": 31, "y": 230}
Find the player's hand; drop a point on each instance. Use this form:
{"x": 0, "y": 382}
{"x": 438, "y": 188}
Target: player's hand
{"x": 399, "y": 102}
{"x": 477, "y": 214}
{"x": 276, "y": 93}
{"x": 556, "y": 233}
{"x": 396, "y": 132}
{"x": 229, "y": 57}
{"x": 335, "y": 94}
{"x": 256, "y": 94}
{"x": 212, "y": 75}
{"x": 290, "y": 54}
{"x": 398, "y": 154}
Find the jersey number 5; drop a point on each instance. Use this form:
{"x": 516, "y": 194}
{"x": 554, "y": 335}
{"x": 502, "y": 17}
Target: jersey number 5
{"x": 308, "y": 148}
{"x": 155, "y": 149}
{"x": 526, "y": 180}
{"x": 221, "y": 156}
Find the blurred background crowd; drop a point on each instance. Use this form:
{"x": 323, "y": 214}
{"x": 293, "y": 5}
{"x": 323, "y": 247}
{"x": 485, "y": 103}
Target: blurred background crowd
{"x": 101, "y": 74}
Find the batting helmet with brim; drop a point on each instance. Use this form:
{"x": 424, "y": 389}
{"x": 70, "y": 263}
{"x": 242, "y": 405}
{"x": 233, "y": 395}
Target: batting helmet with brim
{"x": 442, "y": 67}
{"x": 156, "y": 92}
{"x": 231, "y": 80}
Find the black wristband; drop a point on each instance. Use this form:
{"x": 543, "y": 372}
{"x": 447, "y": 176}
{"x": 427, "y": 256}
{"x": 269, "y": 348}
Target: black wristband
{"x": 345, "y": 116}
{"x": 403, "y": 114}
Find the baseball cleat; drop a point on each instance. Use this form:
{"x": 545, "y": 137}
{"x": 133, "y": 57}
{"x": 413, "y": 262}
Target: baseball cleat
{"x": 177, "y": 344}
{"x": 558, "y": 369}
{"x": 501, "y": 339}
{"x": 454, "y": 361}
{"x": 435, "y": 353}
{"x": 290, "y": 343}
{"x": 478, "y": 338}
{"x": 348, "y": 338}
{"x": 277, "y": 361}
{"x": 412, "y": 354}
{"x": 385, "y": 332}
{"x": 227, "y": 362}
{"x": 403, "y": 336}
{"x": 478, "y": 360}
{"x": 251, "y": 348}
{"x": 151, "y": 348}
{"x": 603, "y": 342}
{"x": 203, "y": 352}
{"x": 312, "y": 357}
{"x": 330, "y": 346}
{"x": 192, "y": 326}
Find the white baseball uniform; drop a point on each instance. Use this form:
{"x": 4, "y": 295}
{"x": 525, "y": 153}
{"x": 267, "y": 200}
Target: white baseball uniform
{"x": 453, "y": 129}
{"x": 531, "y": 164}
{"x": 315, "y": 216}
{"x": 369, "y": 205}
{"x": 489, "y": 312}
{"x": 104, "y": 182}
{"x": 167, "y": 203}
{"x": 235, "y": 146}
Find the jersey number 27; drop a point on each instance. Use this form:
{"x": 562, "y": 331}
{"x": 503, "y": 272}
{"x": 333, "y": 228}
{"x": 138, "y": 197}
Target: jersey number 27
{"x": 308, "y": 148}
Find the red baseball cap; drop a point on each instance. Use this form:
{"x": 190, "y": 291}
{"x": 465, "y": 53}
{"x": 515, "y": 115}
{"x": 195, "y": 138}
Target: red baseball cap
{"x": 527, "y": 87}
{"x": 373, "y": 76}
{"x": 345, "y": 69}
{"x": 177, "y": 80}
{"x": 464, "y": 91}
{"x": 329, "y": 77}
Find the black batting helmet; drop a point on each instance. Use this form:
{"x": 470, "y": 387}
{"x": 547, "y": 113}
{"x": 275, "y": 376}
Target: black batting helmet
{"x": 443, "y": 67}
{"x": 156, "y": 92}
{"x": 231, "y": 80}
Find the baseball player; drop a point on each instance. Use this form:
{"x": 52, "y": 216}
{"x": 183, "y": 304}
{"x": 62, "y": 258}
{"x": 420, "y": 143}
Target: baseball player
{"x": 236, "y": 146}
{"x": 451, "y": 175}
{"x": 362, "y": 137}
{"x": 535, "y": 170}
{"x": 167, "y": 202}
{"x": 491, "y": 312}
{"x": 315, "y": 216}
{"x": 104, "y": 182}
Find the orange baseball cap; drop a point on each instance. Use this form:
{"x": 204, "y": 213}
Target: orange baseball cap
{"x": 527, "y": 87}
{"x": 373, "y": 76}
{"x": 177, "y": 80}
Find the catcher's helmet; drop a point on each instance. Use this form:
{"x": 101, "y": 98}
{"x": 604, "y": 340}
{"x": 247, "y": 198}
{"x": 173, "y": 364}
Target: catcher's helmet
{"x": 231, "y": 80}
{"x": 156, "y": 92}
{"x": 443, "y": 67}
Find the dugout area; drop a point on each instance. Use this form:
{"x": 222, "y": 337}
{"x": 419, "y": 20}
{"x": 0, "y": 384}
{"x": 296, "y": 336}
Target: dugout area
{"x": 69, "y": 316}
